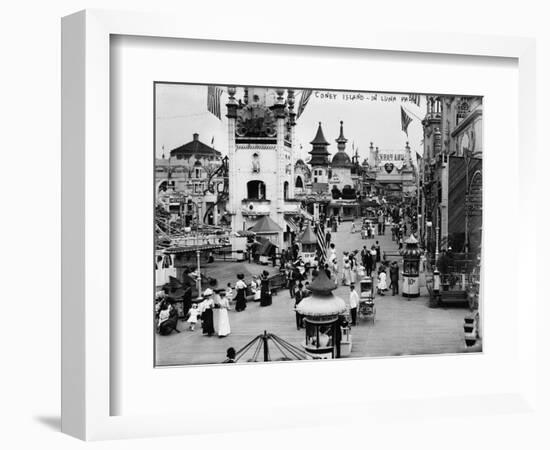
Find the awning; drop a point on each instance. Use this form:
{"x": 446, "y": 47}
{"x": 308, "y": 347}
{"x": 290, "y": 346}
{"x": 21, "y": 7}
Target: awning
{"x": 292, "y": 224}
{"x": 265, "y": 225}
{"x": 194, "y": 248}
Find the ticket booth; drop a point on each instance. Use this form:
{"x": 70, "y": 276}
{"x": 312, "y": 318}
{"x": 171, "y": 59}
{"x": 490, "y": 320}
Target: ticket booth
{"x": 327, "y": 336}
{"x": 411, "y": 266}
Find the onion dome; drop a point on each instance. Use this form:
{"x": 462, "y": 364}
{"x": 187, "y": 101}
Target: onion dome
{"x": 323, "y": 305}
{"x": 341, "y": 159}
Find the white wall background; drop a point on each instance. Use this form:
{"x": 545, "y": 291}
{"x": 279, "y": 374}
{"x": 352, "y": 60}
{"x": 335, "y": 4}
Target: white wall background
{"x": 30, "y": 188}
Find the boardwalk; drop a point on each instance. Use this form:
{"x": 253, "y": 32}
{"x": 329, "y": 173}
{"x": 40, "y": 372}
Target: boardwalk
{"x": 402, "y": 327}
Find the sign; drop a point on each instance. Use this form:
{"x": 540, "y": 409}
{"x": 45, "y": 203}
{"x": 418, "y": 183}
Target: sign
{"x": 395, "y": 157}
{"x": 389, "y": 167}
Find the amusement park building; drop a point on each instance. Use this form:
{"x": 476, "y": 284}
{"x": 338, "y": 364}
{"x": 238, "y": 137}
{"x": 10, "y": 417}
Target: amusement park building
{"x": 261, "y": 149}
{"x": 451, "y": 172}
{"x": 190, "y": 183}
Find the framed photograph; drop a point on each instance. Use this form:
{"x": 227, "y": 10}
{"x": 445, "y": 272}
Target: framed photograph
{"x": 319, "y": 212}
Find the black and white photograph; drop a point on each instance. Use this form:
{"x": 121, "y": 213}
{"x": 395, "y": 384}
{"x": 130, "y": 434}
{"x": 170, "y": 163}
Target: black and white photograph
{"x": 298, "y": 223}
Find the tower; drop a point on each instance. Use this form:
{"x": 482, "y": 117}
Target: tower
{"x": 319, "y": 160}
{"x": 260, "y": 151}
{"x": 341, "y": 163}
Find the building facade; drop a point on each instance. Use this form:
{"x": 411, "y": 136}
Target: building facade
{"x": 261, "y": 151}
{"x": 190, "y": 183}
{"x": 451, "y": 170}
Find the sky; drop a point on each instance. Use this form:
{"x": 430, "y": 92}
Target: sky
{"x": 181, "y": 111}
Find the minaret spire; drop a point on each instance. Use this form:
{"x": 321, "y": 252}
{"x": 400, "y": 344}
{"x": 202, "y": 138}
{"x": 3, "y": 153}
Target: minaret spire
{"x": 341, "y": 141}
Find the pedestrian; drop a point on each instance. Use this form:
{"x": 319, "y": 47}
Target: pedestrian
{"x": 193, "y": 316}
{"x": 188, "y": 283}
{"x": 352, "y": 230}
{"x": 364, "y": 253}
{"x": 265, "y": 296}
{"x": 255, "y": 288}
{"x": 394, "y": 278}
{"x": 380, "y": 221}
{"x": 378, "y": 252}
{"x": 346, "y": 271}
{"x": 206, "y": 309}
{"x": 372, "y": 258}
{"x": 291, "y": 281}
{"x": 231, "y": 354}
{"x": 353, "y": 302}
{"x": 328, "y": 237}
{"x": 224, "y": 329}
{"x": 240, "y": 297}
{"x": 298, "y": 297}
{"x": 382, "y": 285}
{"x": 353, "y": 268}
{"x": 229, "y": 292}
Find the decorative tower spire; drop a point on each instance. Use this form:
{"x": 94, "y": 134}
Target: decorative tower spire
{"x": 341, "y": 141}
{"x": 319, "y": 153}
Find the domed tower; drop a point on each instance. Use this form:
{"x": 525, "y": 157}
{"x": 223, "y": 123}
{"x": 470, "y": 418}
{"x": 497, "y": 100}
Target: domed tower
{"x": 341, "y": 164}
{"x": 319, "y": 160}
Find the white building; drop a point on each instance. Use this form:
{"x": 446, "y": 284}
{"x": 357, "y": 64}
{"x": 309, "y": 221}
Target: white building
{"x": 261, "y": 166}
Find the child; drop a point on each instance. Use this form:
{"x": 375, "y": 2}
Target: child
{"x": 164, "y": 313}
{"x": 193, "y": 317}
{"x": 229, "y": 292}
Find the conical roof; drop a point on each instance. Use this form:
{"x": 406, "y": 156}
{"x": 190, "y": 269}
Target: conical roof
{"x": 322, "y": 284}
{"x": 322, "y": 304}
{"x": 308, "y": 236}
{"x": 319, "y": 138}
{"x": 341, "y": 139}
{"x": 265, "y": 225}
{"x": 319, "y": 153}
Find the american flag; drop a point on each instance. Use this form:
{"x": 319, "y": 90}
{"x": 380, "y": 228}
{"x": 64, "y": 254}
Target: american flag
{"x": 306, "y": 94}
{"x": 405, "y": 121}
{"x": 213, "y": 101}
{"x": 321, "y": 243}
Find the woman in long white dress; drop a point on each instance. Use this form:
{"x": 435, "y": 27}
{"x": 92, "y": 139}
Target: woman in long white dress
{"x": 346, "y": 275}
{"x": 223, "y": 316}
{"x": 382, "y": 285}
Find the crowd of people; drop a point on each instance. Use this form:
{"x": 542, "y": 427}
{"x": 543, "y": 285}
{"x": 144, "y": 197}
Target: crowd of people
{"x": 346, "y": 268}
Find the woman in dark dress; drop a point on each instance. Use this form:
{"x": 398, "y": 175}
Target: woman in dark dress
{"x": 207, "y": 313}
{"x": 170, "y": 324}
{"x": 265, "y": 297}
{"x": 240, "y": 298}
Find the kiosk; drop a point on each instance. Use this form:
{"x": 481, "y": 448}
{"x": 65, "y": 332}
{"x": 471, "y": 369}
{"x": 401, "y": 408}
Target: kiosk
{"x": 308, "y": 246}
{"x": 411, "y": 264}
{"x": 327, "y": 334}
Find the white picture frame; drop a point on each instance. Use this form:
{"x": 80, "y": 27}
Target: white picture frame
{"x": 86, "y": 351}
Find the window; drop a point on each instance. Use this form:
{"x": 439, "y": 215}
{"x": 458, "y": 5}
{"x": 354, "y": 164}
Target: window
{"x": 255, "y": 190}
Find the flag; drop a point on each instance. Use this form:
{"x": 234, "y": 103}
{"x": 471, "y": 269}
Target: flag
{"x": 306, "y": 94}
{"x": 321, "y": 243}
{"x": 212, "y": 142}
{"x": 405, "y": 121}
{"x": 414, "y": 98}
{"x": 213, "y": 101}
